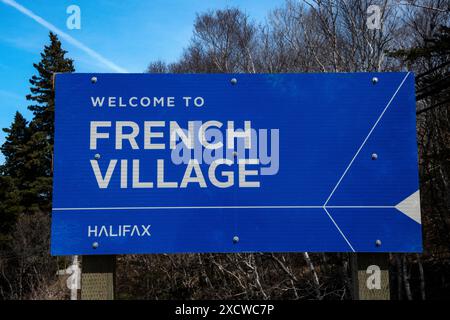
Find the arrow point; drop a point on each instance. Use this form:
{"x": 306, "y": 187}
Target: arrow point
{"x": 411, "y": 206}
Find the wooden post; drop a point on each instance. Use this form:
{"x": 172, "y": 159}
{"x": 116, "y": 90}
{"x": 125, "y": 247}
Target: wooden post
{"x": 98, "y": 277}
{"x": 370, "y": 273}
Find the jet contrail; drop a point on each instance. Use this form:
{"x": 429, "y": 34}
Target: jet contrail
{"x": 111, "y": 65}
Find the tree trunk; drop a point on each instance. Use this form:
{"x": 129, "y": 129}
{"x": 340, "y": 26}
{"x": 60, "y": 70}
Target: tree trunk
{"x": 314, "y": 274}
{"x": 422, "y": 278}
{"x": 406, "y": 277}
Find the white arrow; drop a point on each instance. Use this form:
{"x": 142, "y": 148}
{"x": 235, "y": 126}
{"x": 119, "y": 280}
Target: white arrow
{"x": 411, "y": 206}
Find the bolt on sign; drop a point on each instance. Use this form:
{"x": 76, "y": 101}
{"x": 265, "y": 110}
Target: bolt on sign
{"x": 153, "y": 163}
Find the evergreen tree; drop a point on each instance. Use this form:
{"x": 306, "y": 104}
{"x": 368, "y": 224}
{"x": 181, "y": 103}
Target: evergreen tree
{"x": 437, "y": 47}
{"x": 12, "y": 174}
{"x": 37, "y": 192}
{"x": 14, "y": 147}
{"x": 53, "y": 61}
{"x": 26, "y": 174}
{"x": 10, "y": 208}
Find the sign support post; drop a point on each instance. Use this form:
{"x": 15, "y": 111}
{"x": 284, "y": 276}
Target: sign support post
{"x": 370, "y": 275}
{"x": 98, "y": 277}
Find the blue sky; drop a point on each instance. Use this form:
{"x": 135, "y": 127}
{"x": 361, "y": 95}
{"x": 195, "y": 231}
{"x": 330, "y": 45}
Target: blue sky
{"x": 130, "y": 34}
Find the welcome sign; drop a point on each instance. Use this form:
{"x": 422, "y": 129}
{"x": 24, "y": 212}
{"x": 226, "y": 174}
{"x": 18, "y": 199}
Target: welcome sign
{"x": 153, "y": 163}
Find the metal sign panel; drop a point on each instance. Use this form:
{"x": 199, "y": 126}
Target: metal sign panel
{"x": 152, "y": 163}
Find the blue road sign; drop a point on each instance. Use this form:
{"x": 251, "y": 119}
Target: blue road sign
{"x": 153, "y": 163}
